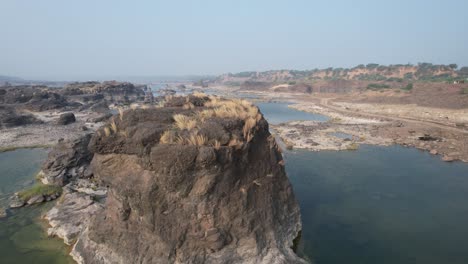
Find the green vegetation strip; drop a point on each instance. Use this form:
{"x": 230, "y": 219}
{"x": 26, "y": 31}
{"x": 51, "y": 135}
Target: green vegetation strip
{"x": 377, "y": 86}
{"x": 39, "y": 189}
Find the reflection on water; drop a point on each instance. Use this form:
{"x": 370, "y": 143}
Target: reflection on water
{"x": 381, "y": 205}
{"x": 277, "y": 113}
{"x": 22, "y": 238}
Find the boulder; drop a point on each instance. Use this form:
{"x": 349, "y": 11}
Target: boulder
{"x": 66, "y": 161}
{"x": 190, "y": 201}
{"x": 448, "y": 158}
{"x": 16, "y": 202}
{"x": 66, "y": 119}
{"x": 36, "y": 199}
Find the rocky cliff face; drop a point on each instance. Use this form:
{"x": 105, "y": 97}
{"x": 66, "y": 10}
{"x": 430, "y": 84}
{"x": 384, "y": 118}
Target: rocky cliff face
{"x": 113, "y": 91}
{"x": 67, "y": 161}
{"x": 198, "y": 181}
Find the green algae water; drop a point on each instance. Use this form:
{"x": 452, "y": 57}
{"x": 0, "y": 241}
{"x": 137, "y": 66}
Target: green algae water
{"x": 23, "y": 237}
{"x": 381, "y": 205}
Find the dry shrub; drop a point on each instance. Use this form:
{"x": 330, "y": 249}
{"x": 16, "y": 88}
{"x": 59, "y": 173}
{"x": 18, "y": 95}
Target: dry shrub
{"x": 167, "y": 137}
{"x": 134, "y": 106}
{"x": 240, "y": 109}
{"x": 184, "y": 122}
{"x": 194, "y": 139}
{"x": 217, "y": 145}
{"x": 205, "y": 114}
{"x": 121, "y": 113}
{"x": 199, "y": 94}
{"x": 249, "y": 137}
{"x": 188, "y": 106}
{"x": 107, "y": 131}
{"x": 197, "y": 140}
{"x": 113, "y": 126}
{"x": 123, "y": 133}
{"x": 180, "y": 140}
{"x": 248, "y": 125}
{"x": 235, "y": 143}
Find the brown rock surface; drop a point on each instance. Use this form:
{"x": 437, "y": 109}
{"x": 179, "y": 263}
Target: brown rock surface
{"x": 68, "y": 160}
{"x": 188, "y": 196}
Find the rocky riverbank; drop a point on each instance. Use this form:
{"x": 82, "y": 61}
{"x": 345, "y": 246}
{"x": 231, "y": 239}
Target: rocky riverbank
{"x": 440, "y": 131}
{"x": 449, "y": 142}
{"x": 38, "y": 116}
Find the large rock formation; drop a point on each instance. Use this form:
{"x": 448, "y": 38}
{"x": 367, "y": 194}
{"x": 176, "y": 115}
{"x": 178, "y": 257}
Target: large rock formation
{"x": 66, "y": 161}
{"x": 33, "y": 98}
{"x": 122, "y": 92}
{"x": 9, "y": 117}
{"x": 199, "y": 183}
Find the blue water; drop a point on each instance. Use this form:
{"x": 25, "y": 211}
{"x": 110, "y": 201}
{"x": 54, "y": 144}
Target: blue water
{"x": 277, "y": 113}
{"x": 378, "y": 205}
{"x": 381, "y": 205}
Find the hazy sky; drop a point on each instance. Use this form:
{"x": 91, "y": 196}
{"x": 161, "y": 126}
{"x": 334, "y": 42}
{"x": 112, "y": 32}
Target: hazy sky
{"x": 59, "y": 39}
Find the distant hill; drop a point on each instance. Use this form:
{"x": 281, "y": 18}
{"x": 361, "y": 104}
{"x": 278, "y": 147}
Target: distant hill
{"x": 369, "y": 72}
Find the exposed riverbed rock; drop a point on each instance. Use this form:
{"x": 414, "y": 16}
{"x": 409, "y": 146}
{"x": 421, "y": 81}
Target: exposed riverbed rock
{"x": 16, "y": 202}
{"x": 66, "y": 161}
{"x": 9, "y": 117}
{"x": 179, "y": 195}
{"x": 111, "y": 91}
{"x": 71, "y": 215}
{"x": 42, "y": 101}
{"x": 66, "y": 119}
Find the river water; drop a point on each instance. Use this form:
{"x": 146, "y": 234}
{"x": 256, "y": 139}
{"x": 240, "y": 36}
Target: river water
{"x": 378, "y": 204}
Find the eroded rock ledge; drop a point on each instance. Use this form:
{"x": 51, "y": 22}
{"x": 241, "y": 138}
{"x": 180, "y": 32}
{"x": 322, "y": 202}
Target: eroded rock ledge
{"x": 200, "y": 180}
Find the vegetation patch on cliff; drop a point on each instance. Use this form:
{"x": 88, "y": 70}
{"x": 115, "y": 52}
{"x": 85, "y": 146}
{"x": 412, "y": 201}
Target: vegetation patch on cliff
{"x": 40, "y": 189}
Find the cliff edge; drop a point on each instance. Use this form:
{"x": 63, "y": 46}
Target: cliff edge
{"x": 199, "y": 180}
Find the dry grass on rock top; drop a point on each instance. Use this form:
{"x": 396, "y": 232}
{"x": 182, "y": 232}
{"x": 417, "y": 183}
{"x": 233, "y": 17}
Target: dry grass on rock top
{"x": 196, "y": 120}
